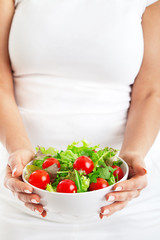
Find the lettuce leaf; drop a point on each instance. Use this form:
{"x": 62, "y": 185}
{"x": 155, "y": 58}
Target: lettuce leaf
{"x": 85, "y": 181}
{"x": 83, "y": 150}
{"x": 49, "y": 188}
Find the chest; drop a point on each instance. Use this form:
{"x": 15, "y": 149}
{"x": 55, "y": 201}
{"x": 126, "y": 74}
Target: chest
{"x": 88, "y": 39}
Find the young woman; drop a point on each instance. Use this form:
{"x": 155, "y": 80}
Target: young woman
{"x": 78, "y": 69}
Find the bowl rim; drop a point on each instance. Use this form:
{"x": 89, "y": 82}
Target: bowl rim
{"x": 69, "y": 194}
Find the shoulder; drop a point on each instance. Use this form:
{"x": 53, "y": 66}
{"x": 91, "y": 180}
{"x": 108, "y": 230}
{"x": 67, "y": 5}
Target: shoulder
{"x": 152, "y": 12}
{"x": 145, "y": 4}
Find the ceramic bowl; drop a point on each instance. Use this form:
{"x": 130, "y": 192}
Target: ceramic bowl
{"x": 75, "y": 207}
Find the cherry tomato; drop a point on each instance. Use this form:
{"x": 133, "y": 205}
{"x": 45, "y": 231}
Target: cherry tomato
{"x": 101, "y": 183}
{"x": 50, "y": 161}
{"x": 118, "y": 172}
{"x": 83, "y": 163}
{"x": 39, "y": 179}
{"x": 66, "y": 186}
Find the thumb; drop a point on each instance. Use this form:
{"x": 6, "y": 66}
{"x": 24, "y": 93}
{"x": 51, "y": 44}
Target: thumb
{"x": 139, "y": 167}
{"x": 16, "y": 165}
{"x": 18, "y": 160}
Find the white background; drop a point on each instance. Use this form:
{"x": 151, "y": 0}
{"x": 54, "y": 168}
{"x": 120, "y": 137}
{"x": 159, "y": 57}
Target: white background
{"x": 3, "y": 158}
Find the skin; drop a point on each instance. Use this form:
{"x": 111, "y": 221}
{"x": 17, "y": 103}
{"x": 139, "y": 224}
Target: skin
{"x": 142, "y": 126}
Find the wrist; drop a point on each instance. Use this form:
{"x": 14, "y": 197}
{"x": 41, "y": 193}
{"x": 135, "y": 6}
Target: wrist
{"x": 20, "y": 149}
{"x": 130, "y": 155}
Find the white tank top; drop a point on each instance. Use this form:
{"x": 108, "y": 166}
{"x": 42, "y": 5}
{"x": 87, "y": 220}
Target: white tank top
{"x": 73, "y": 65}
{"x": 74, "y": 62}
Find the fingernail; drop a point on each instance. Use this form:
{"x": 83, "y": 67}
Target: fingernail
{"x": 145, "y": 171}
{"x": 111, "y": 198}
{"x": 27, "y": 191}
{"x": 118, "y": 189}
{"x": 34, "y": 201}
{"x": 38, "y": 212}
{"x": 102, "y": 211}
{"x": 13, "y": 172}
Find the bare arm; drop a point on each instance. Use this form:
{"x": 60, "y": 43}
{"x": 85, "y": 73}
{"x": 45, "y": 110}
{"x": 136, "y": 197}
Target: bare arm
{"x": 12, "y": 132}
{"x": 144, "y": 115}
{"x": 143, "y": 122}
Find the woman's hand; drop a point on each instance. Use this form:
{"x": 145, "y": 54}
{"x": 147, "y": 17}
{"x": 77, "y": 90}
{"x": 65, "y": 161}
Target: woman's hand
{"x": 129, "y": 189}
{"x": 13, "y": 180}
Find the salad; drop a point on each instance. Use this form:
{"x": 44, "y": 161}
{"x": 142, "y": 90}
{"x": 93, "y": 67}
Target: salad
{"x": 78, "y": 169}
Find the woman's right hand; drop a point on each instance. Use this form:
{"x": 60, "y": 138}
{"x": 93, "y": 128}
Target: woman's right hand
{"x": 13, "y": 180}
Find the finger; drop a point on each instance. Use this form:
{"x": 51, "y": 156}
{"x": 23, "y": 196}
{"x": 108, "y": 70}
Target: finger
{"x": 44, "y": 213}
{"x": 30, "y": 198}
{"x": 36, "y": 208}
{"x": 15, "y": 184}
{"x": 136, "y": 164}
{"x": 135, "y": 183}
{"x": 122, "y": 196}
{"x": 139, "y": 167}
{"x": 16, "y": 163}
{"x": 114, "y": 207}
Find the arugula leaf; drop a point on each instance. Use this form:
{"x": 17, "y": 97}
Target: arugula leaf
{"x": 93, "y": 176}
{"x": 104, "y": 172}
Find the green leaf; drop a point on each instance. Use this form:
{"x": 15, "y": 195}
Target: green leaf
{"x": 68, "y": 155}
{"x": 78, "y": 181}
{"x": 49, "y": 188}
{"x": 83, "y": 150}
{"x": 111, "y": 180}
{"x": 71, "y": 176}
{"x": 117, "y": 163}
{"x": 93, "y": 176}
{"x": 50, "y": 151}
{"x": 85, "y": 183}
{"x": 104, "y": 172}
{"x": 38, "y": 163}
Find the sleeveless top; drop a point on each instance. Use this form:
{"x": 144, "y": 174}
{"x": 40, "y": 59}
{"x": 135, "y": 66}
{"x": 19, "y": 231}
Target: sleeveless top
{"x": 74, "y": 63}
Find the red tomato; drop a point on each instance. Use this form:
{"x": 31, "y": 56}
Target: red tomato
{"x": 118, "y": 172}
{"x": 66, "y": 186}
{"x": 50, "y": 161}
{"x": 83, "y": 163}
{"x": 39, "y": 179}
{"x": 101, "y": 183}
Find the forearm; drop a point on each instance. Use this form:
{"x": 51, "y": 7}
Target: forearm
{"x": 142, "y": 126}
{"x": 12, "y": 132}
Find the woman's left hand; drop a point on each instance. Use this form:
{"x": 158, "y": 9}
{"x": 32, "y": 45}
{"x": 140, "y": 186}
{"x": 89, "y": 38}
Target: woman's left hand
{"x": 126, "y": 190}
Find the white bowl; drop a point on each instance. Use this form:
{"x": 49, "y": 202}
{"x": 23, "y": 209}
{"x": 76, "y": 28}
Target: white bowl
{"x": 75, "y": 207}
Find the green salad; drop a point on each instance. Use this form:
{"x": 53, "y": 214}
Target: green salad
{"x": 77, "y": 169}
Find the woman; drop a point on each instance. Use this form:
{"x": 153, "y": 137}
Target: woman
{"x": 81, "y": 69}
